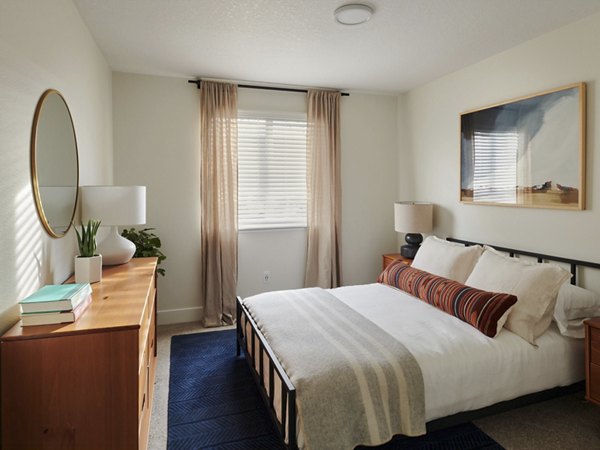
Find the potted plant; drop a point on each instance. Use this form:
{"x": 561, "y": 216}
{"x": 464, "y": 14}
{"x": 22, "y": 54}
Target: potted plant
{"x": 88, "y": 265}
{"x": 146, "y": 244}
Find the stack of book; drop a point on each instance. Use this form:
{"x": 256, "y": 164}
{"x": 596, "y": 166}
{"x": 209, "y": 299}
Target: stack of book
{"x": 55, "y": 303}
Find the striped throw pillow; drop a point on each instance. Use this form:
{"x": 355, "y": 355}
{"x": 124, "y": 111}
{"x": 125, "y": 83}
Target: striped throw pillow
{"x": 486, "y": 311}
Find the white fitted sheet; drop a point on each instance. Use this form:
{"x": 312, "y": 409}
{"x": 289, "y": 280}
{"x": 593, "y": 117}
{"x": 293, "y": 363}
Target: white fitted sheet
{"x": 462, "y": 368}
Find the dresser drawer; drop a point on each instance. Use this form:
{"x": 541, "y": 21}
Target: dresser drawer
{"x": 143, "y": 385}
{"x": 151, "y": 298}
{"x": 152, "y": 339}
{"x": 595, "y": 382}
{"x": 146, "y": 319}
{"x": 146, "y": 384}
{"x": 595, "y": 346}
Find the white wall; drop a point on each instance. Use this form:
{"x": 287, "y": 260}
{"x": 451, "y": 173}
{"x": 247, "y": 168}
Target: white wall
{"x": 281, "y": 252}
{"x": 44, "y": 45}
{"x": 156, "y": 141}
{"x": 430, "y": 151}
{"x": 369, "y": 183}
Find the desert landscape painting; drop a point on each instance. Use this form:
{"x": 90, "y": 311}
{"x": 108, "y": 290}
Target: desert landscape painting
{"x": 528, "y": 152}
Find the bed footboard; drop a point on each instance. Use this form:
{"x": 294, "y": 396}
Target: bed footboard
{"x": 270, "y": 377}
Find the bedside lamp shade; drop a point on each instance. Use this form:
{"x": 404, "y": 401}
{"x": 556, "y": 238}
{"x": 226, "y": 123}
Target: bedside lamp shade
{"x": 113, "y": 206}
{"x": 413, "y": 218}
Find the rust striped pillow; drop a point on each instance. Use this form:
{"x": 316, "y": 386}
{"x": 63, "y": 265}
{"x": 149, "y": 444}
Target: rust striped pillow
{"x": 480, "y": 309}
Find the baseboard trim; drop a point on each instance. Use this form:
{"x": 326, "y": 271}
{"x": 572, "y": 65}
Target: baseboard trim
{"x": 179, "y": 315}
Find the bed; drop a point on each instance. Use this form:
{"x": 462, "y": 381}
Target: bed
{"x": 462, "y": 370}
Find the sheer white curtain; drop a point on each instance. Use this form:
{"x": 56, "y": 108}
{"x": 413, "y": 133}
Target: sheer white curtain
{"x": 324, "y": 189}
{"x": 218, "y": 186}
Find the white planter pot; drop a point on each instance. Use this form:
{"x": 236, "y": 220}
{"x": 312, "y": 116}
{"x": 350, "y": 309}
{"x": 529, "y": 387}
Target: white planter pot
{"x": 88, "y": 270}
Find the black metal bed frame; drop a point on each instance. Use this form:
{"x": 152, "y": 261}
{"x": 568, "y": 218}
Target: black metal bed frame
{"x": 574, "y": 263}
{"x": 287, "y": 426}
{"x": 288, "y": 391}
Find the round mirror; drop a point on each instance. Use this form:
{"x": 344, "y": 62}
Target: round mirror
{"x": 54, "y": 163}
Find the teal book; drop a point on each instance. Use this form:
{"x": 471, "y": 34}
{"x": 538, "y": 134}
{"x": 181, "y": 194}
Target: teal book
{"x": 56, "y": 297}
{"x": 55, "y": 317}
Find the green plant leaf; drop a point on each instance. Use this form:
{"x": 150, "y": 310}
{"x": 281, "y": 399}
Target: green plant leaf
{"x": 146, "y": 244}
{"x": 86, "y": 241}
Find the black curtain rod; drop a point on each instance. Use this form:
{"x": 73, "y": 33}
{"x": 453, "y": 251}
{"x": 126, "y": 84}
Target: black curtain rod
{"x": 266, "y": 88}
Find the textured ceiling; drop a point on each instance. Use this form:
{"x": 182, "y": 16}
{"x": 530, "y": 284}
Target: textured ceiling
{"x": 297, "y": 42}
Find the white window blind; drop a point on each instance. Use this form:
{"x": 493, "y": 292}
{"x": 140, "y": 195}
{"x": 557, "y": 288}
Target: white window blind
{"x": 271, "y": 170}
{"x": 495, "y": 175}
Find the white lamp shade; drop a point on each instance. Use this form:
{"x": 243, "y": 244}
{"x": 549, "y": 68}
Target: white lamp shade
{"x": 413, "y": 217}
{"x": 114, "y": 205}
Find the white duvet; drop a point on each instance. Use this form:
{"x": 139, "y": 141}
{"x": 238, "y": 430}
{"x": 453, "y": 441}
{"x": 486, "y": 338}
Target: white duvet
{"x": 462, "y": 368}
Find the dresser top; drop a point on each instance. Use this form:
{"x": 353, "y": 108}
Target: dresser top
{"x": 118, "y": 302}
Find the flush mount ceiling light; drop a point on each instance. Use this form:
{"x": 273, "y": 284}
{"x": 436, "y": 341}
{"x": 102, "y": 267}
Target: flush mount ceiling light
{"x": 353, "y": 14}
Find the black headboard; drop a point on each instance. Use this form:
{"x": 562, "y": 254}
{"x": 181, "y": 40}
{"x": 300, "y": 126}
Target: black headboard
{"x": 574, "y": 263}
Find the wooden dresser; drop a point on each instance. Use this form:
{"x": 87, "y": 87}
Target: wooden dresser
{"x": 88, "y": 384}
{"x": 592, "y": 360}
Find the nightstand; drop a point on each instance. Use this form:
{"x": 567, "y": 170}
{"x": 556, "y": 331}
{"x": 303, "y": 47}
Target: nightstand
{"x": 389, "y": 258}
{"x": 592, "y": 360}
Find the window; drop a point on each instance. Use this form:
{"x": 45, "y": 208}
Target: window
{"x": 271, "y": 170}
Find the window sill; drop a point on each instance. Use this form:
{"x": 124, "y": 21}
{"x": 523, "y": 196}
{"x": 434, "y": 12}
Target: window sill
{"x": 255, "y": 230}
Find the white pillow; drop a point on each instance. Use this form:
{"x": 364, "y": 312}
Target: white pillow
{"x": 447, "y": 259}
{"x": 573, "y": 306}
{"x": 535, "y": 285}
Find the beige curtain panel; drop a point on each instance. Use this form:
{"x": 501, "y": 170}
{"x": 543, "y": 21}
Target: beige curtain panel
{"x": 324, "y": 190}
{"x": 218, "y": 185}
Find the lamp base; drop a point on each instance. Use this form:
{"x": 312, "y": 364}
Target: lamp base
{"x": 115, "y": 249}
{"x": 413, "y": 242}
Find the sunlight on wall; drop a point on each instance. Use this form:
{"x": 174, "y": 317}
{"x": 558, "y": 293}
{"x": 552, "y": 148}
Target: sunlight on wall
{"x": 58, "y": 259}
{"x": 28, "y": 260}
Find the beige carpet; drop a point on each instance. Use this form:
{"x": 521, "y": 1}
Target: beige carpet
{"x": 567, "y": 422}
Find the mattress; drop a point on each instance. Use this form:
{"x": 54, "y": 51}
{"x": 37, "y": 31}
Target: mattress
{"x": 462, "y": 368}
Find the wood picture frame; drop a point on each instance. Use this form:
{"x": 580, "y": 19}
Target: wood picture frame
{"x": 526, "y": 152}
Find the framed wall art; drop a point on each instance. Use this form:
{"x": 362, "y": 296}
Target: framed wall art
{"x": 528, "y": 152}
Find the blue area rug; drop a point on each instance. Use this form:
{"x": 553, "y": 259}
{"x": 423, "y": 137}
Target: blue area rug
{"x": 214, "y": 404}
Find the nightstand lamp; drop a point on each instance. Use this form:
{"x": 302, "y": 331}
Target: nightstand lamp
{"x": 114, "y": 206}
{"x": 413, "y": 218}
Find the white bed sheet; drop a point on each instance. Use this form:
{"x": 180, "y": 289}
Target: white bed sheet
{"x": 462, "y": 368}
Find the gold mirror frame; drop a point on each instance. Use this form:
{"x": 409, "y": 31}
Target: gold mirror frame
{"x": 34, "y": 165}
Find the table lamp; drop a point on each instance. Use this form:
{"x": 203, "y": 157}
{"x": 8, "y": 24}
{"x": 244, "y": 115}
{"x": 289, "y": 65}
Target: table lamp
{"x": 114, "y": 206}
{"x": 413, "y": 218}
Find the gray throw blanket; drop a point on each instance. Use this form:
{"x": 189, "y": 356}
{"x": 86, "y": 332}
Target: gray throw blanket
{"x": 355, "y": 384}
